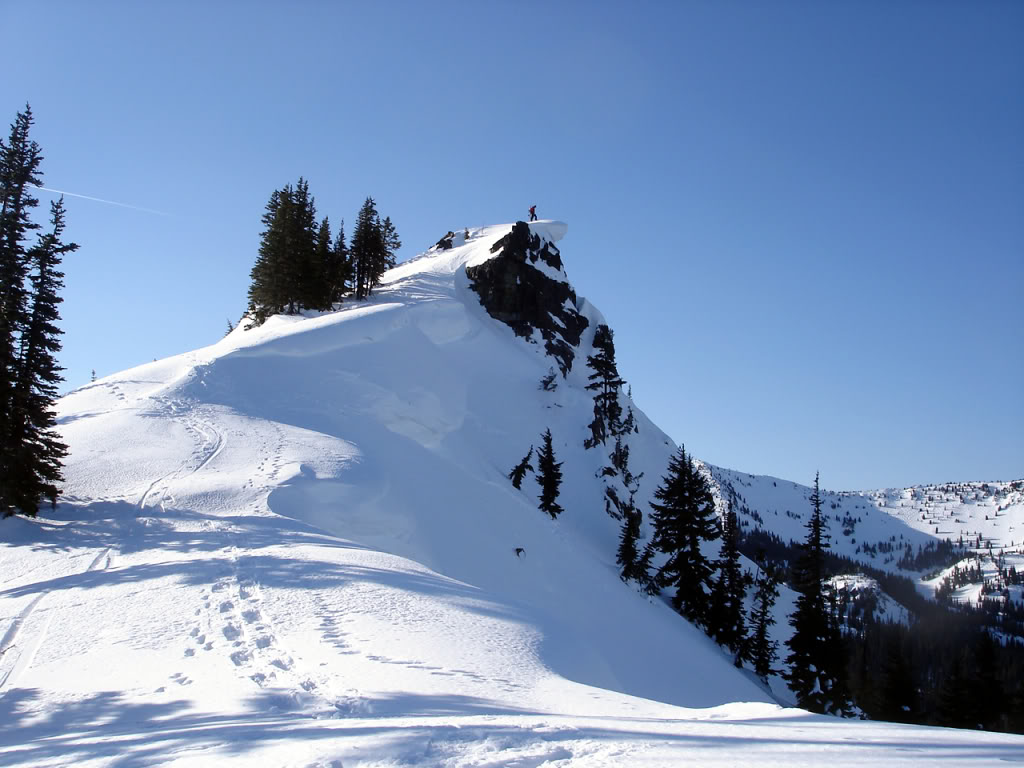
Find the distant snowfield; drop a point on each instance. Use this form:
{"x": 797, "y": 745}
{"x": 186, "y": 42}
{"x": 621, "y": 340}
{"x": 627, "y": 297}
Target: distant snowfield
{"x": 296, "y": 547}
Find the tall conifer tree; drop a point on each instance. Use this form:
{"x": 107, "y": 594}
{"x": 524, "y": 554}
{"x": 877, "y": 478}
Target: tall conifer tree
{"x": 319, "y": 283}
{"x": 628, "y": 556}
{"x": 816, "y": 674}
{"x": 764, "y": 650}
{"x": 302, "y": 270}
{"x": 339, "y": 273}
{"x": 267, "y": 287}
{"x": 728, "y": 625}
{"x": 605, "y": 382}
{"x": 41, "y": 449}
{"x": 683, "y": 517}
{"x": 390, "y": 241}
{"x": 20, "y": 158}
{"x": 365, "y": 248}
{"x": 30, "y": 282}
{"x": 549, "y": 475}
{"x": 289, "y": 274}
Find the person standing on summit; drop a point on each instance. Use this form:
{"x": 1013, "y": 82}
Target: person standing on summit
{"x": 533, "y": 213}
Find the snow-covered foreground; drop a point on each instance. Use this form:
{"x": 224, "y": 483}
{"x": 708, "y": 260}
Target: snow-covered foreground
{"x": 159, "y": 637}
{"x": 298, "y": 547}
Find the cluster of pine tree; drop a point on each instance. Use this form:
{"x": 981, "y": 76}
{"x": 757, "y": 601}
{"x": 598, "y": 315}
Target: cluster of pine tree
{"x": 709, "y": 593}
{"x": 621, "y": 485}
{"x": 30, "y": 284}
{"x": 683, "y": 519}
{"x": 300, "y": 266}
{"x": 944, "y": 668}
{"x": 878, "y": 668}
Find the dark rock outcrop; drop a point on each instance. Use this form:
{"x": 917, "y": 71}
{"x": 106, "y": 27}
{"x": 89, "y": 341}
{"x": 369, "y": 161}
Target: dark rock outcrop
{"x": 516, "y": 292}
{"x": 445, "y": 242}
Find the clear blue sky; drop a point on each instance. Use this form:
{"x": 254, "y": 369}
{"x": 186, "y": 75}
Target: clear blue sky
{"x": 803, "y": 220}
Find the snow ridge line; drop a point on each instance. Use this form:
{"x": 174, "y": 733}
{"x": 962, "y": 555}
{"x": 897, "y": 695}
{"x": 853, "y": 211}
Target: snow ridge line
{"x": 11, "y": 635}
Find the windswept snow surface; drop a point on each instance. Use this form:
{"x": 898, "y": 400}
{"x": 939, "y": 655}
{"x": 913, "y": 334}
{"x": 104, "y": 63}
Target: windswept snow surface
{"x": 297, "y": 547}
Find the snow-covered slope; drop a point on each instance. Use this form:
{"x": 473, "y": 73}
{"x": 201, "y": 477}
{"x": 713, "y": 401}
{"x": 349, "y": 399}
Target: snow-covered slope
{"x": 887, "y": 529}
{"x": 980, "y": 515}
{"x": 298, "y": 547}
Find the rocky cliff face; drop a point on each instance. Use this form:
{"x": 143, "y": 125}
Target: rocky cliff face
{"x": 525, "y": 288}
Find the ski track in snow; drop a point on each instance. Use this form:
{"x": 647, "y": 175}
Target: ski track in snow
{"x": 18, "y": 651}
{"x": 314, "y": 540}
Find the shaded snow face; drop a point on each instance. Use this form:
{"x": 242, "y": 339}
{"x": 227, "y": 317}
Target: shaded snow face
{"x": 525, "y": 288}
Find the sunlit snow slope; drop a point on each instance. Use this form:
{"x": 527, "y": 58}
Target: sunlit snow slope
{"x": 298, "y": 547}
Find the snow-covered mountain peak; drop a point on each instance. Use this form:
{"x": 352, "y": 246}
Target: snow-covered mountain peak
{"x": 300, "y": 546}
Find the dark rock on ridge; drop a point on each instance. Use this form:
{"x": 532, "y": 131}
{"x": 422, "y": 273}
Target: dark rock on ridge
{"x": 518, "y": 294}
{"x": 445, "y": 242}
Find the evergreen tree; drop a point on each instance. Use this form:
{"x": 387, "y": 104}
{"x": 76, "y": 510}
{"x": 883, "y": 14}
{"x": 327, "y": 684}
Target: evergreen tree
{"x": 683, "y": 517}
{"x": 629, "y": 424}
{"x": 30, "y": 284}
{"x": 366, "y": 248}
{"x": 40, "y": 450}
{"x": 620, "y": 460}
{"x": 955, "y": 707}
{"x": 549, "y": 476}
{"x": 391, "y": 242}
{"x": 764, "y": 650}
{"x": 519, "y": 470}
{"x": 301, "y": 267}
{"x": 628, "y": 557}
{"x": 20, "y": 158}
{"x": 319, "y": 286}
{"x": 986, "y": 688}
{"x": 339, "y": 271}
{"x": 287, "y": 275}
{"x": 896, "y": 693}
{"x": 268, "y": 291}
{"x": 605, "y": 382}
{"x": 727, "y": 621}
{"x": 816, "y": 673}
{"x": 643, "y": 571}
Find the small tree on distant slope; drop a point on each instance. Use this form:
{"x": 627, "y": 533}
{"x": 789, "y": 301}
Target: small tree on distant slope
{"x": 628, "y": 556}
{"x": 549, "y": 475}
{"x": 519, "y": 470}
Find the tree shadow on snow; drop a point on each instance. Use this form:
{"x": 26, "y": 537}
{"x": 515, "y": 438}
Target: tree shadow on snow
{"x": 258, "y": 549}
{"x": 128, "y": 529}
{"x": 130, "y": 734}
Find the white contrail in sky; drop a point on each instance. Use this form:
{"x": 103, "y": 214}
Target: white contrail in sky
{"x": 101, "y": 200}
